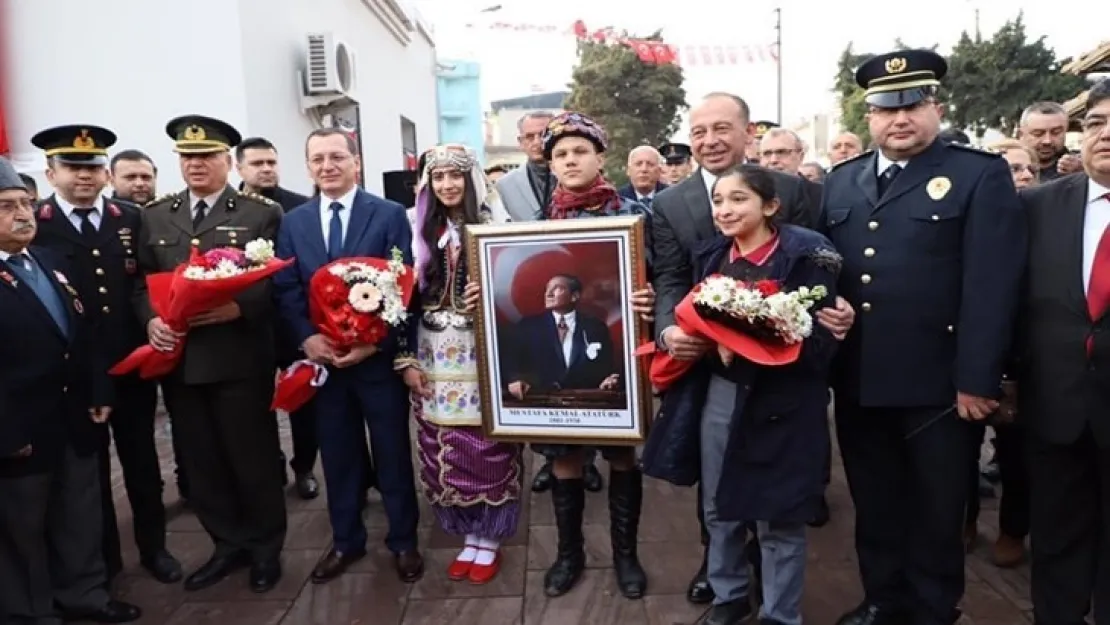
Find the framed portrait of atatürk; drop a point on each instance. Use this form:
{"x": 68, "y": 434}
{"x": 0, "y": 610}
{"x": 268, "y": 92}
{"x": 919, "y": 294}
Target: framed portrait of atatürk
{"x": 556, "y": 333}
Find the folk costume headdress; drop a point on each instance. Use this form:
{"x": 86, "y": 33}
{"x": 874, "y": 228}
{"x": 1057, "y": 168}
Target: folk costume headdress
{"x": 449, "y": 156}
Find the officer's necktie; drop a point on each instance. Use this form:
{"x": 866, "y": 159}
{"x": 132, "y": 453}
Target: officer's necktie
{"x": 646, "y": 201}
{"x": 335, "y": 232}
{"x": 887, "y": 179}
{"x": 88, "y": 230}
{"x": 24, "y": 267}
{"x": 199, "y": 215}
{"x": 1098, "y": 289}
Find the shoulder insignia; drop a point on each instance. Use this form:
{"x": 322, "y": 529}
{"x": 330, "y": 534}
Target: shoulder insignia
{"x": 974, "y": 150}
{"x": 825, "y": 257}
{"x": 852, "y": 160}
{"x": 160, "y": 199}
{"x": 256, "y": 197}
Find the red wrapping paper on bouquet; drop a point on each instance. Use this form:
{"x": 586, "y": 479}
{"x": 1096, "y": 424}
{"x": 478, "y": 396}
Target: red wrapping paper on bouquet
{"x": 666, "y": 369}
{"x": 351, "y": 301}
{"x": 176, "y": 299}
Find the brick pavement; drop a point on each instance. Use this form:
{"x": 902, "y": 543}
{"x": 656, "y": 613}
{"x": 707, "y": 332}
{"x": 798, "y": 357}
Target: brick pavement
{"x": 372, "y": 595}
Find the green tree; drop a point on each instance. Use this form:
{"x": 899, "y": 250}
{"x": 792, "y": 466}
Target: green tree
{"x": 991, "y": 80}
{"x": 637, "y": 102}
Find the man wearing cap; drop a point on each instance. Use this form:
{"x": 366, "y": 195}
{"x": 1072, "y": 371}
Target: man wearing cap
{"x": 933, "y": 242}
{"x": 752, "y": 151}
{"x": 676, "y": 162}
{"x": 100, "y": 234}
{"x": 220, "y": 393}
{"x": 54, "y": 395}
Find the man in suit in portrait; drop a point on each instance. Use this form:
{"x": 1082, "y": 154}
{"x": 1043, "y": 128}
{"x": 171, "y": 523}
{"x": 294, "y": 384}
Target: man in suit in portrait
{"x": 526, "y": 190}
{"x": 55, "y": 396}
{"x": 562, "y": 348}
{"x": 220, "y": 392}
{"x": 682, "y": 217}
{"x": 368, "y": 385}
{"x": 1063, "y": 377}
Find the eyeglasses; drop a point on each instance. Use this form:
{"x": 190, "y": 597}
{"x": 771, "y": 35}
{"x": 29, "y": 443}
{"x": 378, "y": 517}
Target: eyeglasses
{"x": 779, "y": 153}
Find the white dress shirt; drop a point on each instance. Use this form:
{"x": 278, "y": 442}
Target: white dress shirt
{"x": 210, "y": 200}
{"x": 571, "y": 320}
{"x": 4, "y": 256}
{"x": 347, "y": 200}
{"x": 1095, "y": 222}
{"x": 882, "y": 163}
{"x": 69, "y": 211}
{"x": 709, "y": 180}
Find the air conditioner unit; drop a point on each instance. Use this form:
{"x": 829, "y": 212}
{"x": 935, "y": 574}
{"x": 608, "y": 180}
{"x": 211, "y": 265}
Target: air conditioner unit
{"x": 329, "y": 66}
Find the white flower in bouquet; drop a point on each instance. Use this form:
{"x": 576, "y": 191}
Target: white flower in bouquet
{"x": 259, "y": 251}
{"x": 747, "y": 303}
{"x": 365, "y": 297}
{"x": 717, "y": 292}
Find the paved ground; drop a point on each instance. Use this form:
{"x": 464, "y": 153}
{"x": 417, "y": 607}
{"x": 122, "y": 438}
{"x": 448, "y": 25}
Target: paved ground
{"x": 372, "y": 595}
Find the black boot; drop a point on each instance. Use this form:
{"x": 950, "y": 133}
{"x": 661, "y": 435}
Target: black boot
{"x": 626, "y": 494}
{"x": 569, "y": 500}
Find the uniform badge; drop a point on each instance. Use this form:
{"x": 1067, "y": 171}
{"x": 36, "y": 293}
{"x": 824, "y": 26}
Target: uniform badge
{"x": 938, "y": 187}
{"x": 9, "y": 278}
{"x": 61, "y": 277}
{"x": 130, "y": 266}
{"x": 114, "y": 210}
{"x": 72, "y": 291}
{"x": 78, "y": 307}
{"x": 125, "y": 232}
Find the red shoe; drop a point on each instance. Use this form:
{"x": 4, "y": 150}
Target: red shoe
{"x": 459, "y": 570}
{"x": 483, "y": 573}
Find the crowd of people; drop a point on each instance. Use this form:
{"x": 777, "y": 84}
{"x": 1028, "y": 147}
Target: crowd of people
{"x": 960, "y": 288}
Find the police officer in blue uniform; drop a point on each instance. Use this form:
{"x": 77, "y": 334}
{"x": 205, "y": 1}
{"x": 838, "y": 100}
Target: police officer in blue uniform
{"x": 933, "y": 244}
{"x": 98, "y": 236}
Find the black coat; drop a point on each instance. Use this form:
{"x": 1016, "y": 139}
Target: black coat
{"x": 778, "y": 448}
{"x": 104, "y": 270}
{"x": 1062, "y": 390}
{"x": 933, "y": 269}
{"x": 537, "y": 356}
{"x": 48, "y": 380}
{"x": 682, "y": 216}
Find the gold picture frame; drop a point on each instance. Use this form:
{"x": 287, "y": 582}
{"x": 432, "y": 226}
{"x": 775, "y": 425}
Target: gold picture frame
{"x": 517, "y": 335}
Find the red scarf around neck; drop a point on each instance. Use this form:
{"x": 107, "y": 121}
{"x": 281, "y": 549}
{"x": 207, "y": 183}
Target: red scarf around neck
{"x": 599, "y": 197}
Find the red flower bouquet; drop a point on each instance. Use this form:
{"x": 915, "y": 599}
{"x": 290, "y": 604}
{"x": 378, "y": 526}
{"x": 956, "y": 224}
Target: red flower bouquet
{"x": 352, "y": 301}
{"x": 206, "y": 281}
{"x": 756, "y": 320}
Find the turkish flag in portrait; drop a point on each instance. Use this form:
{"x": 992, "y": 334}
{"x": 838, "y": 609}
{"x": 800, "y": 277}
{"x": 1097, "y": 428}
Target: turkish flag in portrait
{"x": 520, "y": 274}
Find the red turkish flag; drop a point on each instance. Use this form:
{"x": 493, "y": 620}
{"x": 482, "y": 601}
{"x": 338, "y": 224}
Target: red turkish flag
{"x": 643, "y": 50}
{"x": 580, "y": 31}
{"x": 664, "y": 54}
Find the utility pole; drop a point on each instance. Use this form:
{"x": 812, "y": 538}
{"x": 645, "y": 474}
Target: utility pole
{"x": 778, "y": 60}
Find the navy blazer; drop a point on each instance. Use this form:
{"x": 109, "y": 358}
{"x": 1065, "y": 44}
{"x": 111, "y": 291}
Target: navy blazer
{"x": 627, "y": 191}
{"x": 376, "y": 227}
{"x": 778, "y": 445}
{"x": 48, "y": 379}
{"x": 536, "y": 356}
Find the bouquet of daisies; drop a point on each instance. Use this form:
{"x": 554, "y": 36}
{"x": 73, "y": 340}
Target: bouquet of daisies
{"x": 755, "y": 320}
{"x": 206, "y": 281}
{"x": 352, "y": 301}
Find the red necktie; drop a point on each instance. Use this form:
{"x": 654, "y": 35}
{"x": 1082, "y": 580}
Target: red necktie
{"x": 1098, "y": 290}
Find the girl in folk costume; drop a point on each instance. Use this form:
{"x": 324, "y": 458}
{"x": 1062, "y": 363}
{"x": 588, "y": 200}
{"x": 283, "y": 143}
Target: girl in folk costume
{"x": 472, "y": 483}
{"x": 574, "y": 145}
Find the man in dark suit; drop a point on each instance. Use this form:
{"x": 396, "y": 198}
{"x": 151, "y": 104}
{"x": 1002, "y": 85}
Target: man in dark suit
{"x": 720, "y": 132}
{"x": 644, "y": 170}
{"x": 562, "y": 348}
{"x": 345, "y": 222}
{"x": 98, "y": 236}
{"x": 257, "y": 163}
{"x": 55, "y": 395}
{"x": 220, "y": 392}
{"x": 932, "y": 238}
{"x": 1064, "y": 348}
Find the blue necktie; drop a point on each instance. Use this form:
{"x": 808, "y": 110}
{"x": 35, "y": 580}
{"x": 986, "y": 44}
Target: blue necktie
{"x": 24, "y": 267}
{"x": 335, "y": 232}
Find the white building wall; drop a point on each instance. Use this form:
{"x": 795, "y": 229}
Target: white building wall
{"x": 232, "y": 59}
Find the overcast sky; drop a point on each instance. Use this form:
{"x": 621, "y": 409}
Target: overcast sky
{"x": 814, "y": 34}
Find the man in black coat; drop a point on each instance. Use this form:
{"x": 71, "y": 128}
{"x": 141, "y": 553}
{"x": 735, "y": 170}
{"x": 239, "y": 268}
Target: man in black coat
{"x": 1064, "y": 348}
{"x": 98, "y": 236}
{"x": 682, "y": 217}
{"x": 55, "y": 395}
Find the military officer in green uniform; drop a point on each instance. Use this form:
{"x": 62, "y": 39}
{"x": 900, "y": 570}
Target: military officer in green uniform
{"x": 934, "y": 243}
{"x": 220, "y": 393}
{"x": 98, "y": 235}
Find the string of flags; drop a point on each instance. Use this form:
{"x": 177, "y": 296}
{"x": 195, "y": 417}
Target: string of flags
{"x": 655, "y": 52}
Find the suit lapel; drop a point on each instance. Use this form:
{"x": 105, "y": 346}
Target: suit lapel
{"x": 1071, "y": 224}
{"x": 918, "y": 171}
{"x": 578, "y": 343}
{"x": 868, "y": 181}
{"x": 698, "y": 205}
{"x": 311, "y": 235}
{"x": 362, "y": 214}
{"x": 551, "y": 330}
{"x": 52, "y": 219}
{"x": 217, "y": 215}
{"x": 12, "y": 281}
{"x": 69, "y": 301}
{"x": 182, "y": 211}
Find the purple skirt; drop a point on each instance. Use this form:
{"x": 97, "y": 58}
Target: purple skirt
{"x": 473, "y": 483}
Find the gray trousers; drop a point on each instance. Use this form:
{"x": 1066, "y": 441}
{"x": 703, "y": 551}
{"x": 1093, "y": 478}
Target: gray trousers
{"x": 50, "y": 543}
{"x": 783, "y": 546}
